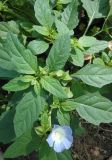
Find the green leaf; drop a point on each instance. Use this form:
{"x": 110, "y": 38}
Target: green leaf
{"x": 66, "y": 155}
{"x": 22, "y": 58}
{"x": 59, "y": 53}
{"x": 26, "y": 25}
{"x": 110, "y": 13}
{"x": 70, "y": 15}
{"x": 18, "y": 2}
{"x": 79, "y": 88}
{"x": 5, "y": 27}
{"x": 42, "y": 30}
{"x": 6, "y": 127}
{"x": 43, "y": 12}
{"x": 105, "y": 57}
{"x": 38, "y": 47}
{"x": 76, "y": 126}
{"x": 98, "y": 47}
{"x": 16, "y": 84}
{"x": 62, "y": 28}
{"x": 98, "y": 61}
{"x": 47, "y": 153}
{"x": 68, "y": 92}
{"x": 5, "y": 60}
{"x": 7, "y": 73}
{"x": 77, "y": 57}
{"x": 27, "y": 112}
{"x": 14, "y": 56}
{"x": 94, "y": 108}
{"x": 27, "y": 78}
{"x": 95, "y": 75}
{"x": 46, "y": 120}
{"x": 53, "y": 86}
{"x": 23, "y": 145}
{"x": 94, "y": 45}
{"x": 87, "y": 41}
{"x": 96, "y": 8}
{"x": 37, "y": 88}
{"x": 63, "y": 118}
{"x": 64, "y": 1}
{"x": 68, "y": 105}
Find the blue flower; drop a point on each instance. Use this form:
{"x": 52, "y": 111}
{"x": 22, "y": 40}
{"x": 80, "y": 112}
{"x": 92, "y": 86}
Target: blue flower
{"x": 60, "y": 138}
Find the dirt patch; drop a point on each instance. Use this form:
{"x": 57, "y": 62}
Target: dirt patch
{"x": 95, "y": 145}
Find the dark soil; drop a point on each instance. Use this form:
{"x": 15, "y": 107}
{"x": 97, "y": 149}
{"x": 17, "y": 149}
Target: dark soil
{"x": 95, "y": 145}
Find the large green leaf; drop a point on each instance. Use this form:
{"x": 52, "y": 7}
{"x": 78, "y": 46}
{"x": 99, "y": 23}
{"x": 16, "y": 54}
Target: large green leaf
{"x": 93, "y": 45}
{"x": 70, "y": 15}
{"x": 5, "y": 27}
{"x": 87, "y": 41}
{"x": 5, "y": 60}
{"x": 59, "y": 53}
{"x": 62, "y": 28}
{"x": 6, "y": 127}
{"x": 8, "y": 73}
{"x": 27, "y": 112}
{"x": 78, "y": 88}
{"x": 43, "y": 12}
{"x": 14, "y": 56}
{"x": 53, "y": 86}
{"x": 96, "y": 8}
{"x": 47, "y": 153}
{"x": 16, "y": 84}
{"x": 23, "y": 60}
{"x": 42, "y": 30}
{"x": 38, "y": 47}
{"x": 98, "y": 47}
{"x": 94, "y": 108}
{"x": 23, "y": 145}
{"x": 68, "y": 105}
{"x": 95, "y": 75}
{"x": 63, "y": 118}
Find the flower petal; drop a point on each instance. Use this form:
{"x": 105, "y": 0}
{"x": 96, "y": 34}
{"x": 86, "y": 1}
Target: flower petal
{"x": 58, "y": 147}
{"x": 70, "y": 138}
{"x": 67, "y": 143}
{"x": 60, "y": 138}
{"x": 50, "y": 140}
{"x": 68, "y": 130}
{"x": 55, "y": 126}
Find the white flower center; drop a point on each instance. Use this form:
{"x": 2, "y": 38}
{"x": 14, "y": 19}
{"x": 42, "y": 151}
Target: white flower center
{"x": 58, "y": 134}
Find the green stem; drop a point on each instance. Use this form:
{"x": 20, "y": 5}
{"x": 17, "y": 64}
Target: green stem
{"x": 90, "y": 21}
{"x": 103, "y": 25}
{"x": 5, "y": 1}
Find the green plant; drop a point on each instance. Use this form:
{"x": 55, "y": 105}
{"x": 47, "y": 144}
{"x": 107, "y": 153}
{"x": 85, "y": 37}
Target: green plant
{"x": 56, "y": 69}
